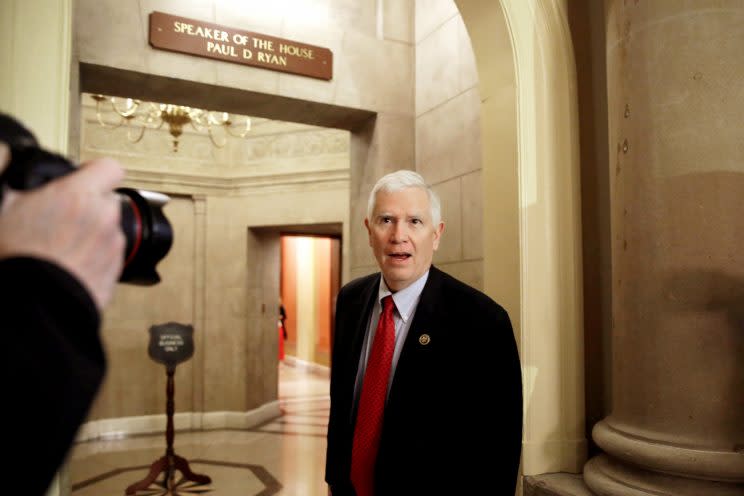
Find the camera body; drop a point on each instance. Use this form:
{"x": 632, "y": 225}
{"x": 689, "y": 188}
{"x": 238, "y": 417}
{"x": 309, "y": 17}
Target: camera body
{"x": 148, "y": 232}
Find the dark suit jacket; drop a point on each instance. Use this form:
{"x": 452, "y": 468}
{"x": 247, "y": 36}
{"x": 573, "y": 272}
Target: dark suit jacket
{"x": 453, "y": 421}
{"x": 52, "y": 367}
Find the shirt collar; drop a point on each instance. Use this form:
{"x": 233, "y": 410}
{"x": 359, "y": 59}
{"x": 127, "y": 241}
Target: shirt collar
{"x": 405, "y": 299}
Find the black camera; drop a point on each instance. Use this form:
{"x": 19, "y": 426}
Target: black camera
{"x": 148, "y": 233}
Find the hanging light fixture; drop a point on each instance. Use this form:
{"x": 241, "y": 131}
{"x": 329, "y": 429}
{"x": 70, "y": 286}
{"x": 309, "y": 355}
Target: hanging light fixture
{"x": 139, "y": 116}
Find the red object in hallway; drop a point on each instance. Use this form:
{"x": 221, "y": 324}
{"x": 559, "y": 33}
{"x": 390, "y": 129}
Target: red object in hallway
{"x": 282, "y": 337}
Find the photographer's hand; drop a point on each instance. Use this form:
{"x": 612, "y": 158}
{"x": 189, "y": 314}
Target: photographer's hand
{"x": 72, "y": 221}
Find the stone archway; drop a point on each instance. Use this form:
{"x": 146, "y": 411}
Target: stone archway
{"x": 532, "y": 236}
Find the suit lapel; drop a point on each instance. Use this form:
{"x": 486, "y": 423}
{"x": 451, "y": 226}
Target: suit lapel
{"x": 364, "y": 304}
{"x": 425, "y": 320}
{"x": 358, "y": 311}
{"x": 425, "y": 325}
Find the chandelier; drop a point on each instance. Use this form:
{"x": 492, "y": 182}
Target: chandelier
{"x": 139, "y": 116}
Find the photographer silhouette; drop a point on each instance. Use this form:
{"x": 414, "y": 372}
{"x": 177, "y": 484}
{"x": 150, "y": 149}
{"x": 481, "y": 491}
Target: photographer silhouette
{"x": 61, "y": 254}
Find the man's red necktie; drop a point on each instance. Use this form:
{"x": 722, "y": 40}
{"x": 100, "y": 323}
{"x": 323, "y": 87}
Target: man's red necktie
{"x": 372, "y": 402}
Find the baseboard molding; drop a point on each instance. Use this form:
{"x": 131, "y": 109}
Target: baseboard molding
{"x": 313, "y": 368}
{"x": 189, "y": 421}
{"x": 560, "y": 484}
{"x": 544, "y": 457}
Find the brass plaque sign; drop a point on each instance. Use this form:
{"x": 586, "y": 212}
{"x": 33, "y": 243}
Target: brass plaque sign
{"x": 204, "y": 39}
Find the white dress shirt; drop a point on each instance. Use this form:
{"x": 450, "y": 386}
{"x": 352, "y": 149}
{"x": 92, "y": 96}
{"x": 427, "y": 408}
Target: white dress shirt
{"x": 406, "y": 300}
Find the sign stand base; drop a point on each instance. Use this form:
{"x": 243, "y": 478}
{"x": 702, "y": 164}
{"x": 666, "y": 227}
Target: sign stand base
{"x": 170, "y": 462}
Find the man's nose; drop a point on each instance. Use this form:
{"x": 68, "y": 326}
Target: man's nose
{"x": 400, "y": 232}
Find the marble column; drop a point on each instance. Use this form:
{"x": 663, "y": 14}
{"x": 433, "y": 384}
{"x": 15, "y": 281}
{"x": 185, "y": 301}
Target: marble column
{"x": 676, "y": 106}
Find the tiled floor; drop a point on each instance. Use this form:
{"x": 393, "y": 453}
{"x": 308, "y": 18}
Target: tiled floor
{"x": 284, "y": 457}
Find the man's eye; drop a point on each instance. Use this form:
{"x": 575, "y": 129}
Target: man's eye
{"x": 386, "y": 220}
{"x": 416, "y": 221}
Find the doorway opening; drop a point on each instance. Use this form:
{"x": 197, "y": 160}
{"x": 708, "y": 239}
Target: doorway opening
{"x": 309, "y": 282}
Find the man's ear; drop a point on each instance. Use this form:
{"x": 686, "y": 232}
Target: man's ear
{"x": 438, "y": 235}
{"x": 369, "y": 231}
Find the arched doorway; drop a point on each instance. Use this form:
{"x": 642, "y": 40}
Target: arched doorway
{"x": 532, "y": 254}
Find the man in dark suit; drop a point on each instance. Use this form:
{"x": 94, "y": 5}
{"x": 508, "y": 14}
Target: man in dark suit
{"x": 448, "y": 416}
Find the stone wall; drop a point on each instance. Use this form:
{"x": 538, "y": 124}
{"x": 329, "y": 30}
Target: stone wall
{"x": 448, "y": 134}
{"x": 402, "y": 111}
{"x": 235, "y": 371}
{"x": 220, "y": 274}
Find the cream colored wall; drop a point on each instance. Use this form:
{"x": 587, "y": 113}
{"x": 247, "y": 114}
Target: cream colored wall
{"x": 307, "y": 318}
{"x": 114, "y": 34}
{"x": 228, "y": 304}
{"x": 448, "y": 134}
{"x": 40, "y": 100}
{"x": 220, "y": 276}
{"x": 361, "y": 41}
{"x": 36, "y": 77}
{"x": 134, "y": 384}
{"x": 529, "y": 89}
{"x": 363, "y": 36}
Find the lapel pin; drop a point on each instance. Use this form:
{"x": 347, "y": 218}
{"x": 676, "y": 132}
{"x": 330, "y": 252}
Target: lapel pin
{"x": 424, "y": 339}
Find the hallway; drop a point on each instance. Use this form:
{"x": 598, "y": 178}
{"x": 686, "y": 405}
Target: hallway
{"x": 285, "y": 456}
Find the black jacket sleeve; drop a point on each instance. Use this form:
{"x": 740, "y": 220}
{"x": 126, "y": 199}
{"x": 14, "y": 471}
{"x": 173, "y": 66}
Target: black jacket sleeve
{"x": 53, "y": 366}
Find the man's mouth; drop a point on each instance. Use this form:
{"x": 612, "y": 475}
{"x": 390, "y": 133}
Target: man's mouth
{"x": 399, "y": 256}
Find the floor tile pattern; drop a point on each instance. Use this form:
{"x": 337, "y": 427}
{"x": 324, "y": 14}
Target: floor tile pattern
{"x": 283, "y": 457}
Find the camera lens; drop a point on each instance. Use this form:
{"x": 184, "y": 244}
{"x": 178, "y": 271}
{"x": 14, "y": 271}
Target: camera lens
{"x": 148, "y": 234}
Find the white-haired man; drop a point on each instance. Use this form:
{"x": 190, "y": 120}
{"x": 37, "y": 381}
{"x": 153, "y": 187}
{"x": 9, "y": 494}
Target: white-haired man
{"x": 416, "y": 353}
